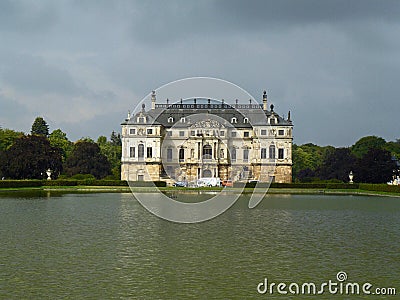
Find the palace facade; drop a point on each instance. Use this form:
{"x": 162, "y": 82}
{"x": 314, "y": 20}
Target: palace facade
{"x": 196, "y": 138}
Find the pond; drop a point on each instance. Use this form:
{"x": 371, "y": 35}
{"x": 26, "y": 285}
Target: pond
{"x": 107, "y": 246}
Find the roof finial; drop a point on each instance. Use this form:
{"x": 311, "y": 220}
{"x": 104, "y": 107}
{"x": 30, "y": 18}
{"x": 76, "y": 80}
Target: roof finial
{"x": 143, "y": 107}
{"x": 153, "y": 100}
{"x": 288, "y": 116}
{"x": 272, "y": 107}
{"x": 265, "y": 106}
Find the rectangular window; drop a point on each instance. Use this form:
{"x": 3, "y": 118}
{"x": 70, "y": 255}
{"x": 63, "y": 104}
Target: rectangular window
{"x": 233, "y": 154}
{"x": 192, "y": 133}
{"x": 280, "y": 153}
{"x": 263, "y": 153}
{"x": 169, "y": 154}
{"x": 150, "y": 131}
{"x": 272, "y": 121}
{"x": 131, "y": 151}
{"x": 245, "y": 155}
{"x": 246, "y": 134}
{"x": 233, "y": 134}
{"x": 281, "y": 132}
{"x": 181, "y": 154}
{"x": 169, "y": 133}
{"x": 263, "y": 131}
{"x": 132, "y": 131}
{"x": 181, "y": 133}
{"x": 149, "y": 152}
{"x": 222, "y": 133}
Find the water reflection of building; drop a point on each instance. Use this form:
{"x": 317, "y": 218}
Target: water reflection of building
{"x": 204, "y": 138}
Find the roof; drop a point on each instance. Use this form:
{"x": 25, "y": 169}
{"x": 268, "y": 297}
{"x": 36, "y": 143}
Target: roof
{"x": 162, "y": 112}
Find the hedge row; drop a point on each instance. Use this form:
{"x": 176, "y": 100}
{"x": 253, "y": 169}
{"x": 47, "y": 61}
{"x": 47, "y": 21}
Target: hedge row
{"x": 72, "y": 182}
{"x": 380, "y": 187}
{"x": 300, "y": 185}
{"x": 20, "y": 183}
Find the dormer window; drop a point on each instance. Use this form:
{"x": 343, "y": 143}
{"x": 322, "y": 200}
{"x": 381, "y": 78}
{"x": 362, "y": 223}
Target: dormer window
{"x": 183, "y": 120}
{"x": 234, "y": 120}
{"x": 246, "y": 120}
{"x": 141, "y": 120}
{"x": 170, "y": 120}
{"x": 272, "y": 121}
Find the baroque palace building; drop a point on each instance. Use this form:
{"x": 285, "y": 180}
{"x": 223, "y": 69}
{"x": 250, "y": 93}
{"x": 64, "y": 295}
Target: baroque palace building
{"x": 197, "y": 138}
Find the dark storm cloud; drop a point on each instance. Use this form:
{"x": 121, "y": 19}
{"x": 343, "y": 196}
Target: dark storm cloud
{"x": 334, "y": 64}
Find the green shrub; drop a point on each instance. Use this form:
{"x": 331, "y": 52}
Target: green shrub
{"x": 147, "y": 183}
{"x": 83, "y": 177}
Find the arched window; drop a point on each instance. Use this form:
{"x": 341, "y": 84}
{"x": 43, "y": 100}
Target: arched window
{"x": 183, "y": 120}
{"x": 272, "y": 152}
{"x": 170, "y": 120}
{"x": 207, "y": 152}
{"x": 246, "y": 120}
{"x": 140, "y": 151}
{"x": 234, "y": 120}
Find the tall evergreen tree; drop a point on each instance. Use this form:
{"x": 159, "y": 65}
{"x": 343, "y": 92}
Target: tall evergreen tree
{"x": 40, "y": 127}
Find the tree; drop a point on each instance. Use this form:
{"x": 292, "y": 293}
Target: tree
{"x": 113, "y": 151}
{"x": 59, "y": 139}
{"x": 337, "y": 164}
{"x": 86, "y": 158}
{"x": 30, "y": 157}
{"x": 116, "y": 139}
{"x": 8, "y": 137}
{"x": 363, "y": 145}
{"x": 376, "y": 166}
{"x": 40, "y": 127}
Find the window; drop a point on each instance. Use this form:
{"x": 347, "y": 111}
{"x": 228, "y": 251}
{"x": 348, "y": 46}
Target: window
{"x": 272, "y": 121}
{"x": 280, "y": 153}
{"x": 169, "y": 154}
{"x": 132, "y": 131}
{"x": 233, "y": 134}
{"x": 142, "y": 120}
{"x": 221, "y": 153}
{"x": 169, "y": 133}
{"x": 263, "y": 131}
{"x": 207, "y": 152}
{"x": 181, "y": 133}
{"x": 234, "y": 120}
{"x": 141, "y": 151}
{"x": 245, "y": 155}
{"x": 246, "y": 120}
{"x": 170, "y": 120}
{"x": 272, "y": 152}
{"x": 246, "y": 134}
{"x": 233, "y": 154}
{"x": 183, "y": 120}
{"x": 131, "y": 151}
{"x": 150, "y": 131}
{"x": 149, "y": 152}
{"x": 181, "y": 154}
{"x": 263, "y": 153}
{"x": 192, "y": 133}
{"x": 281, "y": 132}
{"x": 222, "y": 133}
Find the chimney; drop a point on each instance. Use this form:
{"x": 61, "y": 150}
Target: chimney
{"x": 265, "y": 105}
{"x": 153, "y": 100}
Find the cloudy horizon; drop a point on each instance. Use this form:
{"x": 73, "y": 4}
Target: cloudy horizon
{"x": 83, "y": 64}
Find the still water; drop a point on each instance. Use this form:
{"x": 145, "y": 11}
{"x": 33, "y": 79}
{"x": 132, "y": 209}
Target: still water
{"x": 107, "y": 246}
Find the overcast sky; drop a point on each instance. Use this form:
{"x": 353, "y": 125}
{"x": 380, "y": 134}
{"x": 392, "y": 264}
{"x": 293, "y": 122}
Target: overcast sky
{"x": 82, "y": 64}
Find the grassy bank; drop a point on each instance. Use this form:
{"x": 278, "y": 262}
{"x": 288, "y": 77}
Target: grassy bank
{"x": 122, "y": 186}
